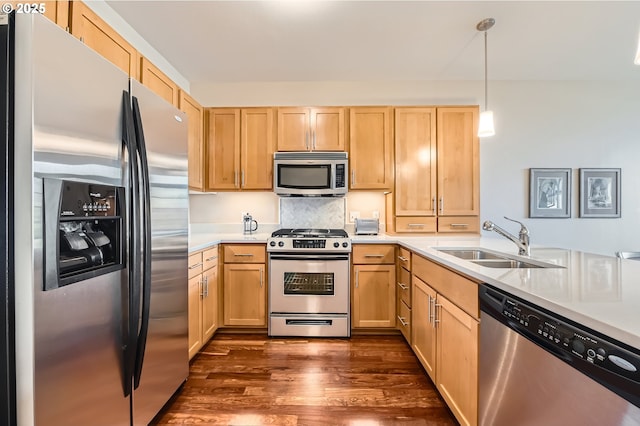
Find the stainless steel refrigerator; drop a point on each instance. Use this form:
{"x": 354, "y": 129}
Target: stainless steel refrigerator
{"x": 95, "y": 239}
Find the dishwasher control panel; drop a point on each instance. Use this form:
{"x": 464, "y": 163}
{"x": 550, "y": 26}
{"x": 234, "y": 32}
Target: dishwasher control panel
{"x": 576, "y": 342}
{"x": 611, "y": 363}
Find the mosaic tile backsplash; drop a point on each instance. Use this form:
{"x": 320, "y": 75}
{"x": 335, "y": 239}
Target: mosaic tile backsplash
{"x": 312, "y": 212}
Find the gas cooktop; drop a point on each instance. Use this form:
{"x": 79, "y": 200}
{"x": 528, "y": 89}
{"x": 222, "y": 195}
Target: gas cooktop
{"x": 309, "y": 240}
{"x": 310, "y": 233}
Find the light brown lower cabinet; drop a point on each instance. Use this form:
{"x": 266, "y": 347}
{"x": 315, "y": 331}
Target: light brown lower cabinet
{"x": 373, "y": 286}
{"x": 203, "y": 298}
{"x": 445, "y": 334}
{"x": 245, "y": 285}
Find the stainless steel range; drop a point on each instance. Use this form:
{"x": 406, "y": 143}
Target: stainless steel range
{"x": 309, "y": 282}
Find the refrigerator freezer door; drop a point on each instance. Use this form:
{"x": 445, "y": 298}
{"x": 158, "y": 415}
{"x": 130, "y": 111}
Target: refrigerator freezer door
{"x": 166, "y": 362}
{"x": 72, "y": 97}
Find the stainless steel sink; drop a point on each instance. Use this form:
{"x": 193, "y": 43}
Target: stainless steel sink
{"x": 492, "y": 259}
{"x": 506, "y": 263}
{"x": 471, "y": 254}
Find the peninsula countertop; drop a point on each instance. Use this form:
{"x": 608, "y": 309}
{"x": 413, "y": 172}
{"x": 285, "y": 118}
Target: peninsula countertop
{"x": 599, "y": 292}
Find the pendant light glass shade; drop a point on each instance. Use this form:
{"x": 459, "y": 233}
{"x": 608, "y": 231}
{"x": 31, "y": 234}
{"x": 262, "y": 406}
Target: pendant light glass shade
{"x": 485, "y": 124}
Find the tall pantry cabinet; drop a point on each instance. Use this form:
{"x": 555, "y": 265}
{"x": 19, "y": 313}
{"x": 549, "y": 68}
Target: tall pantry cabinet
{"x": 437, "y": 186}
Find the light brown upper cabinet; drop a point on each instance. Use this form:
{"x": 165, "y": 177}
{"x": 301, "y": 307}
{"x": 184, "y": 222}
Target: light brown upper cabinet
{"x": 99, "y": 36}
{"x": 437, "y": 170}
{"x": 158, "y": 82}
{"x": 371, "y": 148}
{"x": 311, "y": 129}
{"x": 196, "y": 155}
{"x": 240, "y": 148}
{"x": 458, "y": 169}
{"x": 56, "y": 11}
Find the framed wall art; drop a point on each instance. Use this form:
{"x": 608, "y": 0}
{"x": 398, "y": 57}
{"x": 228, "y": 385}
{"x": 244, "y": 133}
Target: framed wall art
{"x": 550, "y": 193}
{"x": 600, "y": 193}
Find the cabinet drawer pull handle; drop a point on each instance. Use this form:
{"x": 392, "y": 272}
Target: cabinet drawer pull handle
{"x": 434, "y": 205}
{"x": 206, "y": 286}
{"x": 357, "y": 276}
{"x": 197, "y": 265}
{"x": 243, "y": 255}
{"x": 201, "y": 286}
{"x": 353, "y": 177}
{"x": 402, "y": 258}
{"x": 211, "y": 258}
{"x": 261, "y": 278}
{"x": 403, "y": 286}
{"x": 459, "y": 225}
{"x": 430, "y": 316}
{"x": 402, "y": 321}
{"x": 374, "y": 255}
{"x": 235, "y": 179}
{"x": 441, "y": 204}
{"x": 415, "y": 225}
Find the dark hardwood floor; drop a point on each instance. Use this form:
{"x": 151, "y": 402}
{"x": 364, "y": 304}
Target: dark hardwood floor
{"x": 257, "y": 380}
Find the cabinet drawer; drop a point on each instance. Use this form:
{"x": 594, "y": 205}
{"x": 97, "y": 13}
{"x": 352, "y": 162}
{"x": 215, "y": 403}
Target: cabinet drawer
{"x": 244, "y": 253}
{"x": 195, "y": 264}
{"x": 404, "y": 321}
{"x": 374, "y": 253}
{"x": 459, "y": 290}
{"x": 416, "y": 224}
{"x": 404, "y": 286}
{"x": 459, "y": 224}
{"x": 404, "y": 258}
{"x": 210, "y": 258}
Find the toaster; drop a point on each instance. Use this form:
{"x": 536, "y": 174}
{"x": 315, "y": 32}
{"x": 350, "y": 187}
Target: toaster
{"x": 367, "y": 226}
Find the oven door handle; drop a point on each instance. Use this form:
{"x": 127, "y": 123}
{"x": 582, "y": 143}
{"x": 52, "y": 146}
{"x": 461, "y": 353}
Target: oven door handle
{"x": 307, "y": 257}
{"x": 327, "y": 322}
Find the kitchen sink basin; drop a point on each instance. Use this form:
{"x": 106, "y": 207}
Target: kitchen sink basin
{"x": 505, "y": 263}
{"x": 491, "y": 259}
{"x": 471, "y": 254}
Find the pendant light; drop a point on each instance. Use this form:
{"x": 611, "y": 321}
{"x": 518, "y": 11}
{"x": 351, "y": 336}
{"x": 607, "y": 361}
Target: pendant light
{"x": 485, "y": 125}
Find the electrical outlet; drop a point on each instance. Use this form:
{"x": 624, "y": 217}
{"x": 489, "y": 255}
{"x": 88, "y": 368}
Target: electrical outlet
{"x": 376, "y": 214}
{"x": 353, "y": 215}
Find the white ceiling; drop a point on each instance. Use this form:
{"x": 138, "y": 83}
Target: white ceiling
{"x": 304, "y": 40}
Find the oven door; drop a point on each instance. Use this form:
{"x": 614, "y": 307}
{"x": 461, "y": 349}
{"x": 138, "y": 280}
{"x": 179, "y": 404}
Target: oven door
{"x": 308, "y": 283}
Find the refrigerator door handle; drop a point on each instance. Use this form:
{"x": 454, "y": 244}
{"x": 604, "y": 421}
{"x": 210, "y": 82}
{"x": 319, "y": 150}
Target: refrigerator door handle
{"x": 134, "y": 255}
{"x": 145, "y": 199}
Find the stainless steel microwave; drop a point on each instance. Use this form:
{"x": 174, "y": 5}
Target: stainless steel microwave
{"x": 310, "y": 174}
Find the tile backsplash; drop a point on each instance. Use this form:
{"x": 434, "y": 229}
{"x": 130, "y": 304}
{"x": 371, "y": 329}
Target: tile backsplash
{"x": 312, "y": 212}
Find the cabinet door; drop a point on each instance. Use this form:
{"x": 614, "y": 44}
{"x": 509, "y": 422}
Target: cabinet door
{"x": 293, "y": 129}
{"x": 158, "y": 82}
{"x": 99, "y": 36}
{"x": 415, "y": 149}
{"x": 370, "y": 148}
{"x": 195, "y": 324}
{"x": 256, "y": 171}
{"x": 457, "y": 361}
{"x": 195, "y": 124}
{"x": 327, "y": 129}
{"x": 458, "y": 161}
{"x": 374, "y": 296}
{"x": 223, "y": 148}
{"x": 245, "y": 294}
{"x": 423, "y": 332}
{"x": 209, "y": 303}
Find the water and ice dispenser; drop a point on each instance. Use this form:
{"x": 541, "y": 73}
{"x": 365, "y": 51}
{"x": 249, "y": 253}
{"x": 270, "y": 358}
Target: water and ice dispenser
{"x": 84, "y": 231}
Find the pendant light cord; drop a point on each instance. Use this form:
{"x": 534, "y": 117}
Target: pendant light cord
{"x": 486, "y": 76}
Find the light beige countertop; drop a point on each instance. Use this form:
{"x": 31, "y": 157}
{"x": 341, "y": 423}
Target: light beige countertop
{"x": 599, "y": 292}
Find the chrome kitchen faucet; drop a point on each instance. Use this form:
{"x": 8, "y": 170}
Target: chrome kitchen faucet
{"x": 522, "y": 241}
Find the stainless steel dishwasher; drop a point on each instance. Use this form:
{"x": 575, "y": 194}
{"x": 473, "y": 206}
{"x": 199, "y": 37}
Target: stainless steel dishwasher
{"x": 538, "y": 368}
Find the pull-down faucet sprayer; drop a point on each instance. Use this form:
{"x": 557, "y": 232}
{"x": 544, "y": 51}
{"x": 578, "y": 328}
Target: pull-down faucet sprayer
{"x": 522, "y": 241}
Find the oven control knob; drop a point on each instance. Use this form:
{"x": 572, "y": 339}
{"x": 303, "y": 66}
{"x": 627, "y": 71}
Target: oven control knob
{"x": 272, "y": 243}
{"x": 345, "y": 244}
{"x": 336, "y": 245}
{"x": 281, "y": 244}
